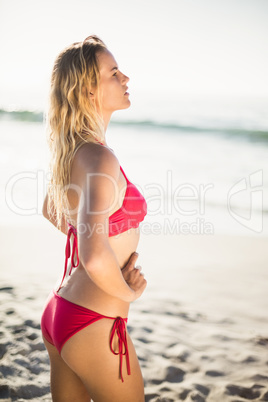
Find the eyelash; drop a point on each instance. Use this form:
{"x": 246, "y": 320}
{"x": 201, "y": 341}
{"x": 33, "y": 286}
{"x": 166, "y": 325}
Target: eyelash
{"x": 115, "y": 73}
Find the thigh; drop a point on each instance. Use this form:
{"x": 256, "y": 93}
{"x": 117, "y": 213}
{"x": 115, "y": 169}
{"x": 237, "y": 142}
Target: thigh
{"x": 66, "y": 386}
{"x": 89, "y": 355}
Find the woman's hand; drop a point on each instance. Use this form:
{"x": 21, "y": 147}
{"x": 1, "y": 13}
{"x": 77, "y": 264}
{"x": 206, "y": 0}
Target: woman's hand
{"x": 133, "y": 276}
{"x": 52, "y": 218}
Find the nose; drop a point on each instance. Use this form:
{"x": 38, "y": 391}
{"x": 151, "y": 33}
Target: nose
{"x": 125, "y": 79}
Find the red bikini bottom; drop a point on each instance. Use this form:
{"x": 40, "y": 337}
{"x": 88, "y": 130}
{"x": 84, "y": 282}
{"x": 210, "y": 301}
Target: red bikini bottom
{"x": 61, "y": 319}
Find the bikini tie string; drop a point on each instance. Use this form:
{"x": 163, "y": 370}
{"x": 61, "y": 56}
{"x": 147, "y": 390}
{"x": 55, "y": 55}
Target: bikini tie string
{"x": 120, "y": 329}
{"x": 71, "y": 231}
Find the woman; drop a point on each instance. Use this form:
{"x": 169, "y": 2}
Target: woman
{"x": 92, "y": 201}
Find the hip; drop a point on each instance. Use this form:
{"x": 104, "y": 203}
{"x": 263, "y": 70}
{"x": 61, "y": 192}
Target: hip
{"x": 81, "y": 290}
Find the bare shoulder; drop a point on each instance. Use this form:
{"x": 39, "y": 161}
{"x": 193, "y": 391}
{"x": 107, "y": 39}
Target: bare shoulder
{"x": 96, "y": 158}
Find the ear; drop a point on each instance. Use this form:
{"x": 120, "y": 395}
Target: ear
{"x": 91, "y": 97}
{"x": 85, "y": 93}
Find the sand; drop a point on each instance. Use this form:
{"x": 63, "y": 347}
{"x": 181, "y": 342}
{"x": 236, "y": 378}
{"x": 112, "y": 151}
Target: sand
{"x": 200, "y": 329}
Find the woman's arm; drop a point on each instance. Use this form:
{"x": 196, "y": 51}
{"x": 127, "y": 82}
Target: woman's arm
{"x": 99, "y": 189}
{"x": 63, "y": 226}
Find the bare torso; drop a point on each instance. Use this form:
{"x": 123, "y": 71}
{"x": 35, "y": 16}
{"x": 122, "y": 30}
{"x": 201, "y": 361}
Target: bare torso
{"x": 80, "y": 289}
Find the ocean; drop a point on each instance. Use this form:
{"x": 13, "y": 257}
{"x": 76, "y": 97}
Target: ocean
{"x": 200, "y": 163}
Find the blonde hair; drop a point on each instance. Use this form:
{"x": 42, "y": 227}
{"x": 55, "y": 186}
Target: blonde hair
{"x": 73, "y": 119}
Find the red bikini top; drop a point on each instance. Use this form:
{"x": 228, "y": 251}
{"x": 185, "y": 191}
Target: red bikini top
{"x": 132, "y": 211}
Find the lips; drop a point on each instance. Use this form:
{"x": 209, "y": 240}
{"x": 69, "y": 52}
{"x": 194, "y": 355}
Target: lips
{"x": 126, "y": 93}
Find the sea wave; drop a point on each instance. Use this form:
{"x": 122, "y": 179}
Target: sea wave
{"x": 22, "y": 115}
{"x": 251, "y": 134}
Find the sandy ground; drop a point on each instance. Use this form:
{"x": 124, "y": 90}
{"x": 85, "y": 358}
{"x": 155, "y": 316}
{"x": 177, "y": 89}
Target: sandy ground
{"x": 200, "y": 330}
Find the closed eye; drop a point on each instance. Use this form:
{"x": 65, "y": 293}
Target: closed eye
{"x": 115, "y": 69}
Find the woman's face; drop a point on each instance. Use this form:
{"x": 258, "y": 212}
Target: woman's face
{"x": 112, "y": 84}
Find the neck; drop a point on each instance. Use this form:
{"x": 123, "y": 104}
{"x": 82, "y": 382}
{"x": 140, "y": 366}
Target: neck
{"x": 106, "y": 120}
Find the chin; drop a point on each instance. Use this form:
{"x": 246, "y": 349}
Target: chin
{"x": 126, "y": 106}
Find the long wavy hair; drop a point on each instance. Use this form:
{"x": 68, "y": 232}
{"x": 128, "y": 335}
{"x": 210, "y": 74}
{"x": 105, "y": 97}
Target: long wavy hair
{"x": 73, "y": 119}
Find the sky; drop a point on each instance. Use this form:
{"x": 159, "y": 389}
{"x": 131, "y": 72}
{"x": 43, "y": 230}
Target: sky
{"x": 182, "y": 47}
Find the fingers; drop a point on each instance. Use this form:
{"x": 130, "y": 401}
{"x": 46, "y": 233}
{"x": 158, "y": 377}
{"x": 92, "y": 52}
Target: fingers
{"x": 136, "y": 281}
{"x": 132, "y": 260}
{"x": 135, "y": 275}
{"x": 139, "y": 275}
{"x": 140, "y": 285}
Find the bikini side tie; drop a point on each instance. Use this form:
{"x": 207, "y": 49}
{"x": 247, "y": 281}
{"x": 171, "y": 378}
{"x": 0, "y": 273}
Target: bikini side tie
{"x": 71, "y": 231}
{"x": 120, "y": 329}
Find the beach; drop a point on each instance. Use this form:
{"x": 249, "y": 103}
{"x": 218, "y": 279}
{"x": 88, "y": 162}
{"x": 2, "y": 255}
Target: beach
{"x": 200, "y": 328}
{"x": 195, "y": 144}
